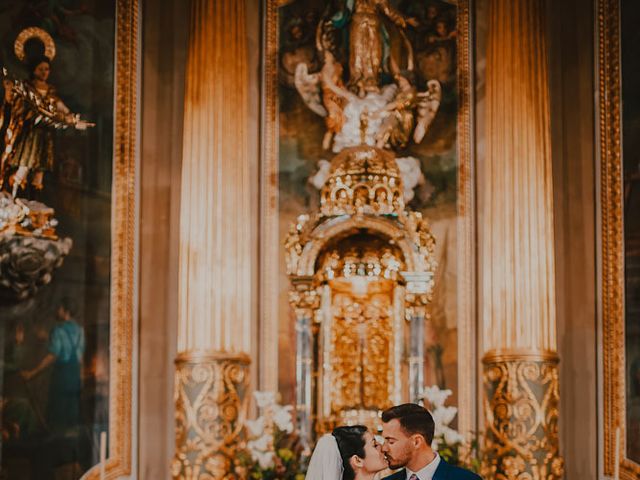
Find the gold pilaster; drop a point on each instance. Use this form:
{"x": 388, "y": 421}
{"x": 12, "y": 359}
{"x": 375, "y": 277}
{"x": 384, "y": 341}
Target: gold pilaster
{"x": 210, "y": 396}
{"x": 215, "y": 250}
{"x": 518, "y": 304}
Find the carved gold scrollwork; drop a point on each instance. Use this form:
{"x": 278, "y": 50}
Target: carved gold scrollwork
{"x": 210, "y": 396}
{"x": 521, "y": 408}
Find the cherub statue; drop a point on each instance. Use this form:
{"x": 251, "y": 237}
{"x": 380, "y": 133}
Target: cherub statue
{"x": 398, "y": 122}
{"x": 400, "y": 118}
{"x": 428, "y": 104}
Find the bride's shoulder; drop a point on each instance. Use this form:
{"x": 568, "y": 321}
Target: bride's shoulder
{"x": 399, "y": 475}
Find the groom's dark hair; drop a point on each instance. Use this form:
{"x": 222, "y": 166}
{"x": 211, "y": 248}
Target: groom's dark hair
{"x": 413, "y": 418}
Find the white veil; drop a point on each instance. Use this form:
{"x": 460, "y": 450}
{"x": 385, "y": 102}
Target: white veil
{"x": 326, "y": 462}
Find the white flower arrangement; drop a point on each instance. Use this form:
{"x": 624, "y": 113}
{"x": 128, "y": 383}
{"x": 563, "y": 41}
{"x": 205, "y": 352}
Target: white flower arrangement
{"x": 442, "y": 417}
{"x": 262, "y": 430}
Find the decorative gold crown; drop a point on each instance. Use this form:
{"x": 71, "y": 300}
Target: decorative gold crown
{"x": 362, "y": 180}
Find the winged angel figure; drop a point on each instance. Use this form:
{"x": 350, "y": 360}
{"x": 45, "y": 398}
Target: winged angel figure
{"x": 386, "y": 119}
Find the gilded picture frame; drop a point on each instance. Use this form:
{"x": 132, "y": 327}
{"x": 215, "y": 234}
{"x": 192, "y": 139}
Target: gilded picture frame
{"x": 612, "y": 264}
{"x": 123, "y": 241}
{"x": 271, "y": 244}
{"x": 69, "y": 343}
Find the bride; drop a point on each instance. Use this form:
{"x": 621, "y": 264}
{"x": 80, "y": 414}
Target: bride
{"x": 347, "y": 453}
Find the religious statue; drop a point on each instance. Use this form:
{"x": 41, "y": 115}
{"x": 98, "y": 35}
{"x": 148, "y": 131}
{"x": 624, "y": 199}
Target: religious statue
{"x": 366, "y": 108}
{"x": 366, "y": 40}
{"x": 31, "y": 110}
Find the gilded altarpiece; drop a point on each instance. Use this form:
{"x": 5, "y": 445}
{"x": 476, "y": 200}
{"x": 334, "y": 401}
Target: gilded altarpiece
{"x": 619, "y": 116}
{"x": 313, "y": 81}
{"x": 67, "y": 237}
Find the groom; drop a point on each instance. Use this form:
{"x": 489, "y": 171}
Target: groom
{"x": 408, "y": 432}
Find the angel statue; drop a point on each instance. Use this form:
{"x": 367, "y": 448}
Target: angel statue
{"x": 31, "y": 110}
{"x": 385, "y": 119}
{"x": 399, "y": 116}
{"x": 317, "y": 93}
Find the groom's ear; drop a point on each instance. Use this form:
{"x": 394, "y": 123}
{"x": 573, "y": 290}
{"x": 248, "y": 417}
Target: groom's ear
{"x": 417, "y": 440}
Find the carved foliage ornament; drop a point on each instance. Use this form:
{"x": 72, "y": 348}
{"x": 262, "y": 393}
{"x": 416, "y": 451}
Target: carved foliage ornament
{"x": 521, "y": 408}
{"x": 210, "y": 397}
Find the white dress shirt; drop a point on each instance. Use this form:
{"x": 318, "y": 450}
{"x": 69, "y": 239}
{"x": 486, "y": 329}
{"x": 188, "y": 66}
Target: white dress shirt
{"x": 427, "y": 472}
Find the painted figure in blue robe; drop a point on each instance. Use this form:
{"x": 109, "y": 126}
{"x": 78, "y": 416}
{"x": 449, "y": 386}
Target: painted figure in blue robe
{"x": 65, "y": 352}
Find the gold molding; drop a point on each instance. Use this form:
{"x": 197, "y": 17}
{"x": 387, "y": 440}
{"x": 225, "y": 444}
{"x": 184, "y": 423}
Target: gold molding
{"x": 466, "y": 245}
{"x": 521, "y": 411}
{"x": 195, "y": 356}
{"x": 507, "y": 355}
{"x": 211, "y": 402}
{"x": 123, "y": 239}
{"x": 611, "y": 234}
{"x": 269, "y": 229}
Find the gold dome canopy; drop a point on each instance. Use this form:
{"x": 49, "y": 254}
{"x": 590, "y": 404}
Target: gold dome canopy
{"x": 362, "y": 180}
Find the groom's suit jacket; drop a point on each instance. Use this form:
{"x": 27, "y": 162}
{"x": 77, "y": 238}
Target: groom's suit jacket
{"x": 443, "y": 472}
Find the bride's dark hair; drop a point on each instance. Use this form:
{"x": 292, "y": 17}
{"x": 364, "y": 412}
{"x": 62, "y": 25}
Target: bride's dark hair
{"x": 350, "y": 442}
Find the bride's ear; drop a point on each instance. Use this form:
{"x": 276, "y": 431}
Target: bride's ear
{"x": 356, "y": 462}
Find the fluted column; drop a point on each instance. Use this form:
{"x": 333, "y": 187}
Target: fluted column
{"x": 518, "y": 304}
{"x": 212, "y": 367}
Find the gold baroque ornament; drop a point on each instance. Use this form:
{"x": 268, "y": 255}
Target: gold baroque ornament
{"x": 211, "y": 403}
{"x": 34, "y": 32}
{"x": 362, "y": 180}
{"x": 521, "y": 408}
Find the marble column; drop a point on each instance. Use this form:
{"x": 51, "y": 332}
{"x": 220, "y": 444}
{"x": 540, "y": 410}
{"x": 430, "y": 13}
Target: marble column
{"x": 417, "y": 298}
{"x": 214, "y": 328}
{"x": 517, "y": 251}
{"x": 305, "y": 300}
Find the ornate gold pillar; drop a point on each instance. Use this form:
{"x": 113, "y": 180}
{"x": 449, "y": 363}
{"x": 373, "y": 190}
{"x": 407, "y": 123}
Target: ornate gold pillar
{"x": 214, "y": 327}
{"x": 518, "y": 303}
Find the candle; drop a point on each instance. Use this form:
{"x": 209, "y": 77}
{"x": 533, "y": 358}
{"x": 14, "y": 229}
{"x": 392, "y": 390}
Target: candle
{"x": 616, "y": 465}
{"x": 103, "y": 453}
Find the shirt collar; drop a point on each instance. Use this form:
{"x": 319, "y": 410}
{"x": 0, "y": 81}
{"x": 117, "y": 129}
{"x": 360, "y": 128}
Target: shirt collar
{"x": 427, "y": 472}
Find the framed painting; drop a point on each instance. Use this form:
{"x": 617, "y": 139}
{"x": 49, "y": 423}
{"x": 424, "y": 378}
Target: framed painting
{"x": 67, "y": 237}
{"x": 619, "y": 117}
{"x": 299, "y": 141}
